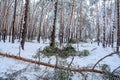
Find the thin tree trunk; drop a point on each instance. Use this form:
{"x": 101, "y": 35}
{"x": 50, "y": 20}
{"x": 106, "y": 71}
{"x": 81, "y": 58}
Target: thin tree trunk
{"x": 24, "y": 32}
{"x": 3, "y": 21}
{"x": 20, "y": 23}
{"x": 81, "y": 21}
{"x": 113, "y": 27}
{"x": 118, "y": 27}
{"x": 13, "y": 22}
{"x": 112, "y": 41}
{"x": 104, "y": 31}
{"x": 98, "y": 27}
{"x": 61, "y": 34}
{"x": 41, "y": 19}
{"x": 52, "y": 44}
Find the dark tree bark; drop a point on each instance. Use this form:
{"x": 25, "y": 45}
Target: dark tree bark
{"x": 52, "y": 44}
{"x": 4, "y": 35}
{"x": 0, "y": 35}
{"x": 0, "y": 30}
{"x": 118, "y": 27}
{"x": 104, "y": 31}
{"x": 24, "y": 32}
{"x": 112, "y": 35}
{"x": 13, "y": 22}
{"x": 98, "y": 34}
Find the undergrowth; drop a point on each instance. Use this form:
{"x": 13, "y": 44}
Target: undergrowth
{"x": 66, "y": 51}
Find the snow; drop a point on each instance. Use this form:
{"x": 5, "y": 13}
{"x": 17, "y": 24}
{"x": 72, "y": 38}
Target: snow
{"x": 9, "y": 66}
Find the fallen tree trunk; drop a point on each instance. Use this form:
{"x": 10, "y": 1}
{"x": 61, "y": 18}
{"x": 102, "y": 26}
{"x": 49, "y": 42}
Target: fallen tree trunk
{"x": 79, "y": 70}
{"x": 51, "y": 65}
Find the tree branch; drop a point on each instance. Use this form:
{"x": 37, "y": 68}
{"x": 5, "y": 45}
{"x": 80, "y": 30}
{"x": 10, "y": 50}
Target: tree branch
{"x": 52, "y": 66}
{"x": 115, "y": 69}
{"x": 102, "y": 59}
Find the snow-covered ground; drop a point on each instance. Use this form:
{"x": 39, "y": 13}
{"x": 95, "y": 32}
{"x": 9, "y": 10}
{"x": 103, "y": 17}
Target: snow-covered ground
{"x": 32, "y": 71}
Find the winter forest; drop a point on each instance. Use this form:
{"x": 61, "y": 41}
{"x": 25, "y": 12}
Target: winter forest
{"x": 59, "y": 39}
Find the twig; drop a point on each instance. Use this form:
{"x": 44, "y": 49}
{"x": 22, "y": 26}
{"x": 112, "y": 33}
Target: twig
{"x": 115, "y": 69}
{"x": 71, "y": 62}
{"x": 102, "y": 59}
{"x": 41, "y": 76}
{"x": 15, "y": 74}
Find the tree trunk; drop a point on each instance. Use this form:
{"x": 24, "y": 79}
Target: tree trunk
{"x": 112, "y": 41}
{"x": 24, "y": 32}
{"x": 81, "y": 21}
{"x": 13, "y": 22}
{"x": 41, "y": 19}
{"x": 0, "y": 35}
{"x": 98, "y": 27}
{"x": 52, "y": 44}
{"x": 61, "y": 34}
{"x": 104, "y": 31}
{"x": 118, "y": 27}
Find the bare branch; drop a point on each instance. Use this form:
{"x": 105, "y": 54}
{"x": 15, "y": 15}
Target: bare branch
{"x": 71, "y": 62}
{"x": 115, "y": 69}
{"x": 102, "y": 59}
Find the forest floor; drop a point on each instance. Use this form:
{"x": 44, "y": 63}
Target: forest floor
{"x": 20, "y": 70}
